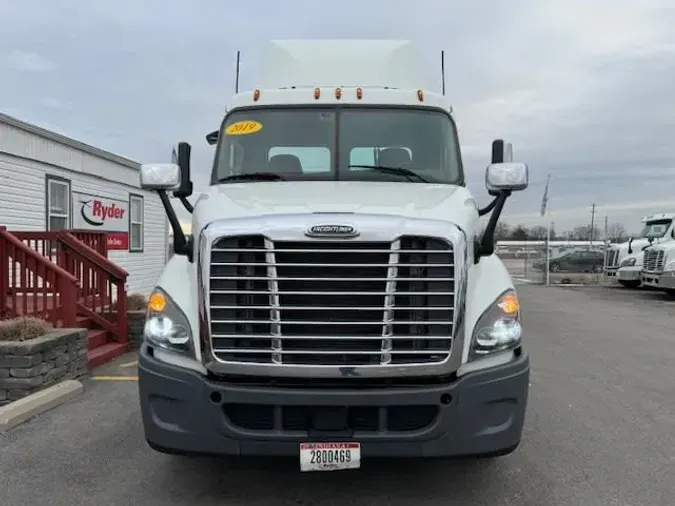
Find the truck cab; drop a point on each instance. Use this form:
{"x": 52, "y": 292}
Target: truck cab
{"x": 624, "y": 261}
{"x": 658, "y": 268}
{"x": 337, "y": 300}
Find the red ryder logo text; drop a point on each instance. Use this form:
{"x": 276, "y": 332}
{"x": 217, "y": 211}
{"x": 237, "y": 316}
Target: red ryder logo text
{"x": 104, "y": 212}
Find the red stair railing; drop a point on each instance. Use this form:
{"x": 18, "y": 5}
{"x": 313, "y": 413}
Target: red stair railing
{"x": 31, "y": 285}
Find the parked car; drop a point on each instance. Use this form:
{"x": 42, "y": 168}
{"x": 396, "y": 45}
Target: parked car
{"x": 574, "y": 261}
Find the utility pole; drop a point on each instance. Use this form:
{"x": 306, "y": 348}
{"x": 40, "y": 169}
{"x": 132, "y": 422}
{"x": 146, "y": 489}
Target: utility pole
{"x": 592, "y": 222}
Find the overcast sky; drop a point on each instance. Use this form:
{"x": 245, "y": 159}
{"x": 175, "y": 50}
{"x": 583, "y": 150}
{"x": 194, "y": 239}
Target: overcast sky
{"x": 584, "y": 89}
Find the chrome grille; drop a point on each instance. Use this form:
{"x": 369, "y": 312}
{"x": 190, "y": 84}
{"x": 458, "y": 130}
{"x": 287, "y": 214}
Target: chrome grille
{"x": 612, "y": 258}
{"x": 331, "y": 302}
{"x": 653, "y": 261}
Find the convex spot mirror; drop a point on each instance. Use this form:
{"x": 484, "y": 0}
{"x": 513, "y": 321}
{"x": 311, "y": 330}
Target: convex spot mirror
{"x": 160, "y": 176}
{"x": 506, "y": 176}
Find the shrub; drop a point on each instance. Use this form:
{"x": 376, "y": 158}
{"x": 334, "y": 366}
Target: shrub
{"x": 23, "y": 328}
{"x": 136, "y": 302}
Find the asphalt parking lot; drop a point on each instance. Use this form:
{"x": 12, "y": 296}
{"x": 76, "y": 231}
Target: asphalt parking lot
{"x": 600, "y": 432}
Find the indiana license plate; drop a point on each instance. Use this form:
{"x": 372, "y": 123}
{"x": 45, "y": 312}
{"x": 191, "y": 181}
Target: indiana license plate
{"x": 329, "y": 456}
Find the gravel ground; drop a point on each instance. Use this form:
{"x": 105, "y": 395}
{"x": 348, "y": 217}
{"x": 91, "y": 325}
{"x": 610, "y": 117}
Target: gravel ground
{"x": 600, "y": 432}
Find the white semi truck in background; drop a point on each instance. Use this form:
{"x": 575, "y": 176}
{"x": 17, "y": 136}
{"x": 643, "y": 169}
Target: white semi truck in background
{"x": 337, "y": 300}
{"x": 624, "y": 261}
{"x": 658, "y": 270}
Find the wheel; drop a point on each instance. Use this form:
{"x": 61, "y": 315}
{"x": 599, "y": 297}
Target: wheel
{"x": 629, "y": 283}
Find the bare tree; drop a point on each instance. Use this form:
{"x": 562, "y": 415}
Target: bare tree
{"x": 520, "y": 233}
{"x": 616, "y": 232}
{"x": 585, "y": 233}
{"x": 502, "y": 231}
{"x": 538, "y": 232}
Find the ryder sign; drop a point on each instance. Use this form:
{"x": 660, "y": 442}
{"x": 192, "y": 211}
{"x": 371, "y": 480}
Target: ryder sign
{"x": 91, "y": 212}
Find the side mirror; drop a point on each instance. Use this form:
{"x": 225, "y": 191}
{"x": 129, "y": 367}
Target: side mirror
{"x": 506, "y": 176}
{"x": 181, "y": 157}
{"x": 160, "y": 176}
{"x": 212, "y": 138}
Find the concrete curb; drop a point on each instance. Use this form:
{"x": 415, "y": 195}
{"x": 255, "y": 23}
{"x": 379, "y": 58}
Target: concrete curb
{"x": 24, "y": 409}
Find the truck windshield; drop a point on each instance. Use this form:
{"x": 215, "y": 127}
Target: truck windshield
{"x": 324, "y": 144}
{"x": 655, "y": 229}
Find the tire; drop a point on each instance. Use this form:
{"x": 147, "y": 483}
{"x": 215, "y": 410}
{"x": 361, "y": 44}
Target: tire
{"x": 629, "y": 284}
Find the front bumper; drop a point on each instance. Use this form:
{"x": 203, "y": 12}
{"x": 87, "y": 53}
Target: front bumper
{"x": 610, "y": 272}
{"x": 661, "y": 280}
{"x": 629, "y": 273}
{"x": 481, "y": 413}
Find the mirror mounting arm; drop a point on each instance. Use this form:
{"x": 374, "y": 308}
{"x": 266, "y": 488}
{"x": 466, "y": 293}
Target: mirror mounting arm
{"x": 186, "y": 204}
{"x": 181, "y": 246}
{"x": 486, "y": 247}
{"x": 488, "y": 208}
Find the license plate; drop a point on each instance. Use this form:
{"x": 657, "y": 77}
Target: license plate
{"x": 329, "y": 456}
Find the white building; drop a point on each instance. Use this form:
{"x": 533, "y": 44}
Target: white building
{"x": 49, "y": 182}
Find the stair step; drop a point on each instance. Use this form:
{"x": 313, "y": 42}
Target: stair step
{"x": 105, "y": 353}
{"x": 84, "y": 322}
{"x": 97, "y": 338}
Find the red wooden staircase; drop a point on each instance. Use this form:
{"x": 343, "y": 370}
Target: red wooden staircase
{"x": 66, "y": 279}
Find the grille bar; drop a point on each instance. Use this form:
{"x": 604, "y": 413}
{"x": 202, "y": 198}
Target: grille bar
{"x": 336, "y": 308}
{"x": 331, "y": 303}
{"x": 324, "y": 250}
{"x": 320, "y": 278}
{"x": 264, "y": 264}
{"x": 320, "y": 352}
{"x": 357, "y": 338}
{"x": 299, "y": 292}
{"x": 654, "y": 260}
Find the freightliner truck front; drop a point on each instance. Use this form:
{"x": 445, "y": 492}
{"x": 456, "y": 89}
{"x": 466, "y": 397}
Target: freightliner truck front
{"x": 624, "y": 261}
{"x": 337, "y": 300}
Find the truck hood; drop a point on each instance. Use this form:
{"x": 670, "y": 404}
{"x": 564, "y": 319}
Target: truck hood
{"x": 636, "y": 246}
{"x": 409, "y": 200}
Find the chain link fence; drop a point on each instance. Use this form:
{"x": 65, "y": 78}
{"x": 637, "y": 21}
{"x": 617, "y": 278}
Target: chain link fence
{"x": 567, "y": 264}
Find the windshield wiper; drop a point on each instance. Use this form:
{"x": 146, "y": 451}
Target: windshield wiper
{"x": 412, "y": 176}
{"x": 254, "y": 176}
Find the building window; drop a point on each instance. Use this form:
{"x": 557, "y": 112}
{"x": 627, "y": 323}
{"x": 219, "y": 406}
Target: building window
{"x": 135, "y": 223}
{"x": 58, "y": 203}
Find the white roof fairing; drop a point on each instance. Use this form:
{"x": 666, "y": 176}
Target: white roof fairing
{"x": 365, "y": 63}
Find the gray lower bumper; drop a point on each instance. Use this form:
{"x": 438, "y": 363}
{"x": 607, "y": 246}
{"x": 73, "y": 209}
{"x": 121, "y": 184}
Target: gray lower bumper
{"x": 664, "y": 281}
{"x": 481, "y": 413}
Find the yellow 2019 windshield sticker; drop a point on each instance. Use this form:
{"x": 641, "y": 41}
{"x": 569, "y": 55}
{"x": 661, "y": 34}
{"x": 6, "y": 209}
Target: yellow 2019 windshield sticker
{"x": 243, "y": 128}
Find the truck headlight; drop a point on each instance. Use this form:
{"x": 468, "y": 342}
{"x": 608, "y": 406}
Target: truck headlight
{"x": 628, "y": 262}
{"x": 498, "y": 328}
{"x": 166, "y": 326}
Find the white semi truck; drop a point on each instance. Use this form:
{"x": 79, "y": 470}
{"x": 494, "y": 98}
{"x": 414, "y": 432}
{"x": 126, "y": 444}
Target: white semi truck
{"x": 336, "y": 301}
{"x": 658, "y": 270}
{"x": 624, "y": 261}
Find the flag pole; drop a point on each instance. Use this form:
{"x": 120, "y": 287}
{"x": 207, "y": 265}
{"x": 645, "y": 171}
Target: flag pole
{"x": 544, "y": 202}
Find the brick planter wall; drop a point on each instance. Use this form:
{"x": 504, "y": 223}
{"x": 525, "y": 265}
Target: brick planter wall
{"x": 135, "y": 322}
{"x": 29, "y": 366}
